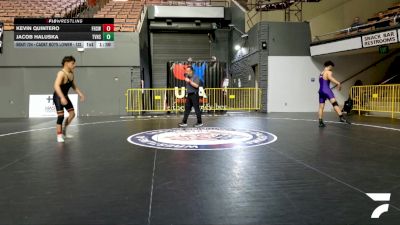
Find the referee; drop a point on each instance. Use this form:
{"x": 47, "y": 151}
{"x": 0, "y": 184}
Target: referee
{"x": 192, "y": 99}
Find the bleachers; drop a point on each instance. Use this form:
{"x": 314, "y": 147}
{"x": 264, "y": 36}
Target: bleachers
{"x": 125, "y": 14}
{"x": 10, "y": 9}
{"x": 391, "y": 17}
{"x": 391, "y": 13}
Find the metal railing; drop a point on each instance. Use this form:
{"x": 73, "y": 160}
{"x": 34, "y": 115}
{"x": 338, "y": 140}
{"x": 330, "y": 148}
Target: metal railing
{"x": 173, "y": 99}
{"x": 376, "y": 98}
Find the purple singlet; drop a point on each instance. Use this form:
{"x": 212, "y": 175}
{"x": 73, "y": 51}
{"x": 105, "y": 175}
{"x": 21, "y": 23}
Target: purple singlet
{"x": 325, "y": 91}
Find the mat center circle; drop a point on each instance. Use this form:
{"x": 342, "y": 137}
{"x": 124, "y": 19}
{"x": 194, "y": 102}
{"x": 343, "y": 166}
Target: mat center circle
{"x": 206, "y": 138}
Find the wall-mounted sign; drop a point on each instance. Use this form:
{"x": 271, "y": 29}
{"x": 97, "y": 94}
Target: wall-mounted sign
{"x": 382, "y": 38}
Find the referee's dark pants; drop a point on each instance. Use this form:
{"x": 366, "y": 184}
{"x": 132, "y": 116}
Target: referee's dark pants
{"x": 192, "y": 100}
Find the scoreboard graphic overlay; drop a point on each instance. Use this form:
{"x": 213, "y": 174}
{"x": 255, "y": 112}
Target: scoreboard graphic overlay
{"x": 64, "y": 33}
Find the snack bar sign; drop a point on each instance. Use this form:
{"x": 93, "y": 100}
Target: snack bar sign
{"x": 383, "y": 38}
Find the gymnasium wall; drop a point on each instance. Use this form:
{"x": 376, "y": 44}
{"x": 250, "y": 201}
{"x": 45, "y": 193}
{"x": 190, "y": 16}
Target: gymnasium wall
{"x": 288, "y": 66}
{"x": 350, "y": 64}
{"x": 220, "y": 46}
{"x": 342, "y": 16}
{"x": 327, "y": 15}
{"x": 145, "y": 56}
{"x": 102, "y": 74}
{"x": 283, "y": 40}
{"x": 238, "y": 19}
{"x": 310, "y": 10}
{"x": 288, "y": 85}
{"x": 291, "y": 88}
{"x": 249, "y": 56}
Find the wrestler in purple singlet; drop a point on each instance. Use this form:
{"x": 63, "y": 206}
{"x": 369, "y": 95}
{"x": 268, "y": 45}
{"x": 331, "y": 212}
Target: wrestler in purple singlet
{"x": 325, "y": 92}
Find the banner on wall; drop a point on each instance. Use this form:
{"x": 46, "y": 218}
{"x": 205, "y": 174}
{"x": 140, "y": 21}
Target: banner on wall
{"x": 43, "y": 106}
{"x": 1, "y": 36}
{"x": 210, "y": 73}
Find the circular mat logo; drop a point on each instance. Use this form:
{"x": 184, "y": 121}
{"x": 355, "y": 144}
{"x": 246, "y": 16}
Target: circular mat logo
{"x": 207, "y": 138}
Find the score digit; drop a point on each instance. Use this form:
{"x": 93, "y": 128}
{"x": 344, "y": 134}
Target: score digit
{"x": 108, "y": 36}
{"x": 108, "y": 27}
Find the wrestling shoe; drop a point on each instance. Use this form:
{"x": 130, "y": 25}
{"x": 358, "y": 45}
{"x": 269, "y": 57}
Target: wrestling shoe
{"x": 60, "y": 138}
{"x": 182, "y": 124}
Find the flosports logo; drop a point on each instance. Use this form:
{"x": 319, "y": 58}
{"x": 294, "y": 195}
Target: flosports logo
{"x": 207, "y": 138}
{"x": 379, "y": 197}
